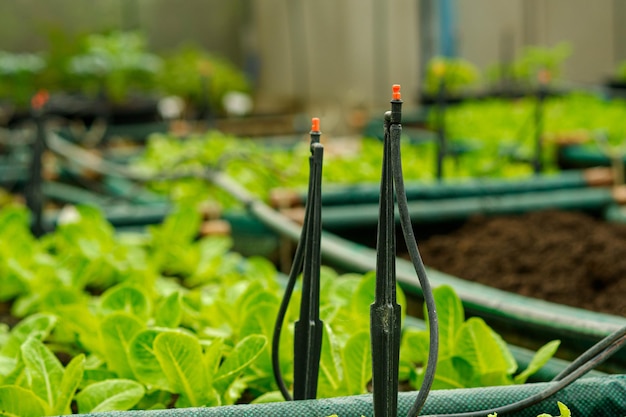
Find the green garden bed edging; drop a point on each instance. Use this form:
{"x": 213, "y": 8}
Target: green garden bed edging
{"x": 597, "y": 397}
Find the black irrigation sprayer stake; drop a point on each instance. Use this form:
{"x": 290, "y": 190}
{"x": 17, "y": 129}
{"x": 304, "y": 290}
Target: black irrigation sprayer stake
{"x": 307, "y": 259}
{"x": 308, "y": 329}
{"x": 33, "y": 192}
{"x": 385, "y": 312}
{"x": 543, "y": 77}
{"x": 441, "y": 128}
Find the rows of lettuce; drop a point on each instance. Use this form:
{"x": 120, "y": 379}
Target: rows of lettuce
{"x": 110, "y": 321}
{"x": 495, "y": 138}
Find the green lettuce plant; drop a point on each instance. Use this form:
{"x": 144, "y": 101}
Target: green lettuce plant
{"x": 115, "y": 64}
{"x": 199, "y": 77}
{"x": 524, "y": 72}
{"x": 456, "y": 74}
{"x": 471, "y": 354}
{"x": 147, "y": 329}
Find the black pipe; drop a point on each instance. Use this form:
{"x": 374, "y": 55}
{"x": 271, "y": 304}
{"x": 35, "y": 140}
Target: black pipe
{"x": 539, "y": 110}
{"x": 33, "y": 191}
{"x": 440, "y": 124}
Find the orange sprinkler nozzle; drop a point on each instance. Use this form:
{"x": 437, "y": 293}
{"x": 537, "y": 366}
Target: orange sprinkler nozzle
{"x": 315, "y": 124}
{"x": 39, "y": 99}
{"x": 396, "y": 92}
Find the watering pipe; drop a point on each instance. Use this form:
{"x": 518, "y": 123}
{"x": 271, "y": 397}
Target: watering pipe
{"x": 458, "y": 209}
{"x": 369, "y": 193}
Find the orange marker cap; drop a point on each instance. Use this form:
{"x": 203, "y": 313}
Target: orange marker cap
{"x": 396, "y": 92}
{"x": 315, "y": 124}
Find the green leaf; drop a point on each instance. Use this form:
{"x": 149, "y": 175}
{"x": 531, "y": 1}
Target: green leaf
{"x": 44, "y": 369}
{"x": 109, "y": 395}
{"x": 144, "y": 362}
{"x": 331, "y": 381}
{"x": 13, "y": 281}
{"x": 128, "y": 299}
{"x": 450, "y": 316}
{"x": 357, "y": 363}
{"x": 260, "y": 321}
{"x": 446, "y": 377}
{"x": 7, "y": 365}
{"x": 362, "y": 297}
{"x": 117, "y": 331}
{"x": 254, "y": 296}
{"x": 69, "y": 383}
{"x": 414, "y": 346}
{"x": 212, "y": 251}
{"x": 180, "y": 357}
{"x": 563, "y": 411}
{"x": 540, "y": 358}
{"x": 506, "y": 353}
{"x": 242, "y": 355}
{"x": 80, "y": 321}
{"x": 37, "y": 325}
{"x": 269, "y": 397}
{"x": 16, "y": 376}
{"x": 20, "y": 402}
{"x": 479, "y": 356}
{"x": 170, "y": 311}
{"x": 212, "y": 358}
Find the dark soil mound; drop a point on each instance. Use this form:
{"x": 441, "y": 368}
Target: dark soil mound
{"x": 565, "y": 257}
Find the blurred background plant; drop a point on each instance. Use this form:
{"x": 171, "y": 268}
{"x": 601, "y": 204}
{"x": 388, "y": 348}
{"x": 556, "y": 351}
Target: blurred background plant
{"x": 115, "y": 64}
{"x": 20, "y": 76}
{"x": 522, "y": 73}
{"x": 456, "y": 74}
{"x": 200, "y": 78}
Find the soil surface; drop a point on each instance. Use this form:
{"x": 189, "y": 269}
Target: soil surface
{"x": 566, "y": 257}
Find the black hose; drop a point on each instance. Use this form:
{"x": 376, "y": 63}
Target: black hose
{"x": 296, "y": 267}
{"x": 617, "y": 336}
{"x": 308, "y": 329}
{"x": 418, "y": 264}
{"x": 594, "y": 356}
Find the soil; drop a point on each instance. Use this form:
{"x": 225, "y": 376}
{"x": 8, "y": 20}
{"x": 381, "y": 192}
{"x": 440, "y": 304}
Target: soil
{"x": 569, "y": 258}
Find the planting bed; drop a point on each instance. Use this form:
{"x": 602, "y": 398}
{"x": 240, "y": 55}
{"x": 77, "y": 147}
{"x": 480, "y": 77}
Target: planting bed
{"x": 569, "y": 258}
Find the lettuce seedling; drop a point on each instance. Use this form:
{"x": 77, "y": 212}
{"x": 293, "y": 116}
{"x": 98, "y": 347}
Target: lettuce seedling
{"x": 471, "y": 354}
